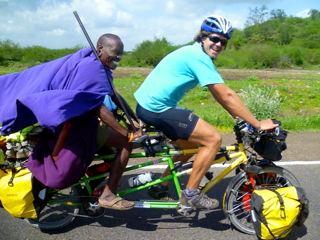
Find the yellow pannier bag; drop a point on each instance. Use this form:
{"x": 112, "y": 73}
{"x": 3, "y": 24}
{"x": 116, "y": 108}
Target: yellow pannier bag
{"x": 16, "y": 192}
{"x": 275, "y": 212}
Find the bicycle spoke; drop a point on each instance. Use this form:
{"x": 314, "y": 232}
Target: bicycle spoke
{"x": 281, "y": 180}
{"x": 239, "y": 206}
{"x": 236, "y": 193}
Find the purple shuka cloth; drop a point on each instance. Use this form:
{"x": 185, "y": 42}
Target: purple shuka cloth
{"x": 73, "y": 159}
{"x": 53, "y": 92}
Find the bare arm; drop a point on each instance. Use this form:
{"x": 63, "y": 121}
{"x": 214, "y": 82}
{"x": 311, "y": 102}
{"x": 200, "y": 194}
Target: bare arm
{"x": 233, "y": 104}
{"x": 107, "y": 117}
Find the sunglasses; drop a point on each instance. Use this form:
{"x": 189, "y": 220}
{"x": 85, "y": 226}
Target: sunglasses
{"x": 215, "y": 39}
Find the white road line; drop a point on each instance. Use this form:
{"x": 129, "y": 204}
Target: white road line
{"x": 284, "y": 163}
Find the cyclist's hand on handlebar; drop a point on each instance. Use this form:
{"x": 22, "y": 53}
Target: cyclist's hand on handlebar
{"x": 267, "y": 124}
{"x": 138, "y": 124}
{"x": 134, "y": 135}
{"x": 137, "y": 133}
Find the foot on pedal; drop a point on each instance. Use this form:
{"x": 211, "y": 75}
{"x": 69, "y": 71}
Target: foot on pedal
{"x": 185, "y": 210}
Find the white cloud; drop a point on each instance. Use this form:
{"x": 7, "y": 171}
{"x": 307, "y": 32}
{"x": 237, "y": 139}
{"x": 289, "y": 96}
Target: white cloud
{"x": 56, "y": 32}
{"x": 124, "y": 17}
{"x": 52, "y": 24}
{"x": 303, "y": 14}
{"x": 170, "y": 7}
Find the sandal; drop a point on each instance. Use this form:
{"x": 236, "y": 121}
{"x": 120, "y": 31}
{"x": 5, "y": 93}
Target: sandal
{"x": 117, "y": 203}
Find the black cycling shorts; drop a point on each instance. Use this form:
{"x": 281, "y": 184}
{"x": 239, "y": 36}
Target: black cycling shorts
{"x": 175, "y": 123}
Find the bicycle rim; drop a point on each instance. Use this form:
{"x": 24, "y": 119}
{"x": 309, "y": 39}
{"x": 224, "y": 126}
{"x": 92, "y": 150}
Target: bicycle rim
{"x": 237, "y": 199}
{"x": 59, "y": 212}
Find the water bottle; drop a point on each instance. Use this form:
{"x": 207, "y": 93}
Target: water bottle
{"x": 140, "y": 179}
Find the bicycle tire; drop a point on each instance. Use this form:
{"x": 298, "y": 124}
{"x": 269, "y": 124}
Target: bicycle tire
{"x": 57, "y": 213}
{"x": 236, "y": 201}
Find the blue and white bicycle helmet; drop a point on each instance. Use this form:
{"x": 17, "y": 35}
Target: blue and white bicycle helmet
{"x": 217, "y": 24}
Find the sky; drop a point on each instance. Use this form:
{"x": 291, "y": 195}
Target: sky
{"x": 51, "y": 23}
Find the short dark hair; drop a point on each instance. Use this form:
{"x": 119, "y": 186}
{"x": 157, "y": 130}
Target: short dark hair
{"x": 110, "y": 41}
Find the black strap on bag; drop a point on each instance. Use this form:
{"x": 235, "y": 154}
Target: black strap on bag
{"x": 282, "y": 208}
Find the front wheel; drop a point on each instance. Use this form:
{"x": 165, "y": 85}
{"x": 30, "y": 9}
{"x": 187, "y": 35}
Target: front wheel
{"x": 236, "y": 202}
{"x": 59, "y": 211}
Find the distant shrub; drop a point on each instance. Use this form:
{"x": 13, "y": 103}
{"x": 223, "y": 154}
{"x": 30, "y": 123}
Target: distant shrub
{"x": 312, "y": 56}
{"x": 128, "y": 60}
{"x": 9, "y": 52}
{"x": 232, "y": 58}
{"x": 278, "y": 42}
{"x": 284, "y": 62}
{"x": 263, "y": 56}
{"x": 227, "y": 60}
{"x": 150, "y": 53}
{"x": 295, "y": 55}
{"x": 38, "y": 54}
{"x": 262, "y": 102}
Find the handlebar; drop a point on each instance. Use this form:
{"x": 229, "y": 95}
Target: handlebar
{"x": 243, "y": 129}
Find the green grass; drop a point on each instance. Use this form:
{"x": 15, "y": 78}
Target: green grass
{"x": 299, "y": 109}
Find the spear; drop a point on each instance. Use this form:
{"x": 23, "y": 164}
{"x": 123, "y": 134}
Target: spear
{"x": 121, "y": 101}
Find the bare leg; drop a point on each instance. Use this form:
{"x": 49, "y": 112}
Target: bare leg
{"x": 210, "y": 140}
{"x": 123, "y": 151}
{"x": 181, "y": 144}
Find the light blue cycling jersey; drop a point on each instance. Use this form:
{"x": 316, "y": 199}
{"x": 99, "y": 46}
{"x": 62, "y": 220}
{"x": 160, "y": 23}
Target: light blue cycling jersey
{"x": 109, "y": 103}
{"x": 175, "y": 75}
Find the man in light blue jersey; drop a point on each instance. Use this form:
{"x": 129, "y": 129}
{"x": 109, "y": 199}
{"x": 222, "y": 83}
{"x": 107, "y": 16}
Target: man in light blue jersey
{"x": 172, "y": 78}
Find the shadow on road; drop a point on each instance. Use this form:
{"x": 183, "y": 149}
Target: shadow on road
{"x": 151, "y": 219}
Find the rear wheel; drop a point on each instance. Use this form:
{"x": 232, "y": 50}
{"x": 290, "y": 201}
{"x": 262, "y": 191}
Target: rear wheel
{"x": 238, "y": 194}
{"x": 60, "y": 210}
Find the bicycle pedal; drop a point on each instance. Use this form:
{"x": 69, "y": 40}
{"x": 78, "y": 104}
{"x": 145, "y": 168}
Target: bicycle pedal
{"x": 93, "y": 209}
{"x": 185, "y": 210}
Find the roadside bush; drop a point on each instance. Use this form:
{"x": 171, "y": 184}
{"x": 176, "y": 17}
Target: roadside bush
{"x": 284, "y": 62}
{"x": 262, "y": 102}
{"x": 38, "y": 54}
{"x": 232, "y": 58}
{"x": 9, "y": 52}
{"x": 227, "y": 60}
{"x": 150, "y": 53}
{"x": 312, "y": 56}
{"x": 128, "y": 60}
{"x": 264, "y": 56}
{"x": 295, "y": 55}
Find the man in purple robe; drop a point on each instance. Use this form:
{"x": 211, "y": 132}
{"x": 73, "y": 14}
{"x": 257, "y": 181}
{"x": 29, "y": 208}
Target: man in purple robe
{"x": 66, "y": 97}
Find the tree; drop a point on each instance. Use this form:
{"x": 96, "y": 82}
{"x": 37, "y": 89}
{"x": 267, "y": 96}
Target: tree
{"x": 9, "y": 52}
{"x": 257, "y": 15}
{"x": 278, "y": 14}
{"x": 314, "y": 14}
{"x": 284, "y": 34}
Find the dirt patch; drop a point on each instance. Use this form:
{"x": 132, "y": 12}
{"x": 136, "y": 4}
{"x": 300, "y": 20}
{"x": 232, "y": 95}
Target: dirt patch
{"x": 238, "y": 74}
{"x": 231, "y": 74}
{"x": 122, "y": 72}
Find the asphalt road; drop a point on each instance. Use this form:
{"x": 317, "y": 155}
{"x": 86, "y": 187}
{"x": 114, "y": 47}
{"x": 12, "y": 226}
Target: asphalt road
{"x": 166, "y": 224}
